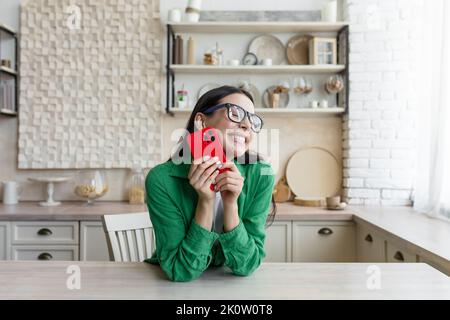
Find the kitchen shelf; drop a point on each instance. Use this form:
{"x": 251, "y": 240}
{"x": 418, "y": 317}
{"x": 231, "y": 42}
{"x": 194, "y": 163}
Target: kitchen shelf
{"x": 281, "y": 111}
{"x": 7, "y": 32}
{"x": 8, "y": 71}
{"x": 306, "y": 69}
{"x": 220, "y": 27}
{"x": 271, "y": 27}
{"x": 7, "y": 112}
{"x": 7, "y": 29}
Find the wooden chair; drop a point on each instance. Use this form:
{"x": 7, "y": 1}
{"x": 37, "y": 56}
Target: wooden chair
{"x": 129, "y": 236}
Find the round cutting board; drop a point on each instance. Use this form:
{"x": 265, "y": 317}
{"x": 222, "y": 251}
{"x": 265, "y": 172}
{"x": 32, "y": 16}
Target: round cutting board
{"x": 314, "y": 172}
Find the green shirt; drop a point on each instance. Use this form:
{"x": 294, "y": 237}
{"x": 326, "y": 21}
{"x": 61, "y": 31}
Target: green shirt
{"x": 184, "y": 249}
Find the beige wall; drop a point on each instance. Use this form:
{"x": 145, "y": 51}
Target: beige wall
{"x": 294, "y": 133}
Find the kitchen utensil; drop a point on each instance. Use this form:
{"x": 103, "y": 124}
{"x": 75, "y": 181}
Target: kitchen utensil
{"x": 314, "y": 172}
{"x": 282, "y": 191}
{"x": 308, "y": 202}
{"x": 11, "y": 192}
{"x": 297, "y": 49}
{"x": 284, "y": 98}
{"x": 90, "y": 185}
{"x": 206, "y": 87}
{"x": 50, "y": 181}
{"x": 252, "y": 89}
{"x": 268, "y": 46}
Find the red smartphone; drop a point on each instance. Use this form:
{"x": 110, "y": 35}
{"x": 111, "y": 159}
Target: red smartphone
{"x": 206, "y": 142}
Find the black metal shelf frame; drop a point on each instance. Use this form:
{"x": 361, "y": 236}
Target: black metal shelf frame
{"x": 16, "y": 68}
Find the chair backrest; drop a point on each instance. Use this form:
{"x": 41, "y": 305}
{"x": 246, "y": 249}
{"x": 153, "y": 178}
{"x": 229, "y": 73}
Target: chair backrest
{"x": 130, "y": 236}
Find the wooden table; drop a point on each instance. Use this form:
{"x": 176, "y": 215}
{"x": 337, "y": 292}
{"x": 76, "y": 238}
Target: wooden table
{"x": 110, "y": 280}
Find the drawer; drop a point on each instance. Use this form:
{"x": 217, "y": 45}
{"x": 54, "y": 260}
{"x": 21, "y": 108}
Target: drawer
{"x": 323, "y": 242}
{"x": 397, "y": 253}
{"x": 370, "y": 246}
{"x": 45, "y": 253}
{"x": 42, "y": 232}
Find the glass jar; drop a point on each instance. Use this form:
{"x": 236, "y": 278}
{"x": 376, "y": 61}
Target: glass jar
{"x": 182, "y": 99}
{"x": 136, "y": 187}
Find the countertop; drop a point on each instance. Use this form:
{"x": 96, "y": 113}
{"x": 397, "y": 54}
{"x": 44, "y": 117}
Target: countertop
{"x": 429, "y": 237}
{"x": 112, "y": 280}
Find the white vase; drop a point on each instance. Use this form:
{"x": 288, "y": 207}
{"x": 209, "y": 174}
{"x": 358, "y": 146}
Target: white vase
{"x": 329, "y": 11}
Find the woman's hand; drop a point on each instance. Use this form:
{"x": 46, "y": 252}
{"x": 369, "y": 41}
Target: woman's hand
{"x": 202, "y": 174}
{"x": 230, "y": 184}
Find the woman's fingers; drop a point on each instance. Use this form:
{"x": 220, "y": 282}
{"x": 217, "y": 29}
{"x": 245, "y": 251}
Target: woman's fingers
{"x": 200, "y": 169}
{"x": 228, "y": 180}
{"x": 230, "y": 187}
{"x": 207, "y": 174}
{"x": 231, "y": 165}
{"x": 229, "y": 174}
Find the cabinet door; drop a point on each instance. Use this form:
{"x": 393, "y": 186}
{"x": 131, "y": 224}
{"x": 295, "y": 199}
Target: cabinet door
{"x": 278, "y": 242}
{"x": 45, "y": 253}
{"x": 370, "y": 246}
{"x": 93, "y": 245}
{"x": 324, "y": 241}
{"x": 4, "y": 240}
{"x": 397, "y": 253}
{"x": 44, "y": 232}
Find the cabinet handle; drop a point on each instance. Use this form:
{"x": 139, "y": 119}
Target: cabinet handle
{"x": 45, "y": 256}
{"x": 45, "y": 232}
{"x": 368, "y": 238}
{"x": 325, "y": 231}
{"x": 399, "y": 256}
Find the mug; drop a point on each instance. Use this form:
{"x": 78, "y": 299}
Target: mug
{"x": 233, "y": 62}
{"x": 313, "y": 104}
{"x": 333, "y": 202}
{"x": 11, "y": 192}
{"x": 175, "y": 15}
{"x": 267, "y": 62}
{"x": 324, "y": 104}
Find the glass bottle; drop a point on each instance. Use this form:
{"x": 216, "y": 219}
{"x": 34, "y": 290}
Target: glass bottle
{"x": 136, "y": 187}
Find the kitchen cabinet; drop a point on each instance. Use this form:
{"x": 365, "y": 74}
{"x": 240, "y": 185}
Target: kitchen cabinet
{"x": 45, "y": 253}
{"x": 370, "y": 245}
{"x": 4, "y": 240}
{"x": 323, "y": 241}
{"x": 93, "y": 243}
{"x": 397, "y": 253}
{"x": 278, "y": 243}
{"x": 44, "y": 240}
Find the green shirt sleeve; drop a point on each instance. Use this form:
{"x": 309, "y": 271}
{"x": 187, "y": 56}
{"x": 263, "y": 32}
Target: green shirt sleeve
{"x": 243, "y": 247}
{"x": 183, "y": 255}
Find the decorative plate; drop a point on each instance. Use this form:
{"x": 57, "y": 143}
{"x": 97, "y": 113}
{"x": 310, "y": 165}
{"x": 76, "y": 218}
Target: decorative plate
{"x": 268, "y": 46}
{"x": 297, "y": 50}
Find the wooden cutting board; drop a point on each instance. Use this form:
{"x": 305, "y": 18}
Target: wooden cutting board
{"x": 314, "y": 172}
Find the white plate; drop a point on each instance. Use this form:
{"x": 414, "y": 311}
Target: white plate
{"x": 205, "y": 88}
{"x": 253, "y": 90}
{"x": 268, "y": 46}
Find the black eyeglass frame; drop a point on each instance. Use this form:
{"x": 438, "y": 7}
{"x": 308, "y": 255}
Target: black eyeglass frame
{"x": 228, "y": 106}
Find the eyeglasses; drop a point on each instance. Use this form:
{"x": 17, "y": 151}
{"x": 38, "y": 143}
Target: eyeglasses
{"x": 237, "y": 114}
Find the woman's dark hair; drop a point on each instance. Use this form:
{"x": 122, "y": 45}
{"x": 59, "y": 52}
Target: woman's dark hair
{"x": 212, "y": 98}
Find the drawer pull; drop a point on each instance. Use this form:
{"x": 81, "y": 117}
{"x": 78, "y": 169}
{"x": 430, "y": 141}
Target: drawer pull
{"x": 325, "y": 231}
{"x": 45, "y": 256}
{"x": 45, "y": 232}
{"x": 399, "y": 256}
{"x": 368, "y": 238}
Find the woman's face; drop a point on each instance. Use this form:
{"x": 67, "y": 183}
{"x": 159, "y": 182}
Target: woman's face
{"x": 235, "y": 137}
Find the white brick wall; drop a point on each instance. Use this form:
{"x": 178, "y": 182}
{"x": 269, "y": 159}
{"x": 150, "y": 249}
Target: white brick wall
{"x": 378, "y": 132}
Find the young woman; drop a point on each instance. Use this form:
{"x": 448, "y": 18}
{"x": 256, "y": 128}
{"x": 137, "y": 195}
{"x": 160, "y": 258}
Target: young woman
{"x": 196, "y": 227}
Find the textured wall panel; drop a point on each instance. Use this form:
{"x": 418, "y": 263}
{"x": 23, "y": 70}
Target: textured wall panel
{"x": 90, "y": 84}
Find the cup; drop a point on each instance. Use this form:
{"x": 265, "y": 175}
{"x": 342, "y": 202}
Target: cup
{"x": 175, "y": 15}
{"x": 267, "y": 62}
{"x": 313, "y": 104}
{"x": 333, "y": 202}
{"x": 274, "y": 99}
{"x": 11, "y": 192}
{"x": 233, "y": 62}
{"x": 324, "y": 104}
